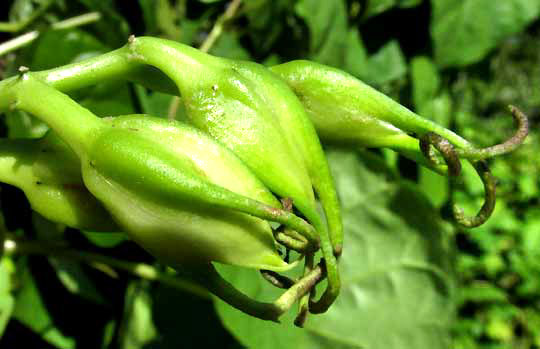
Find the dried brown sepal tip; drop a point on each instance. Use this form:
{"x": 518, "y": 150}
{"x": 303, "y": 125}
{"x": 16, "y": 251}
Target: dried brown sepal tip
{"x": 489, "y": 199}
{"x": 301, "y": 318}
{"x": 276, "y": 279}
{"x": 454, "y": 169}
{"x": 445, "y": 148}
{"x": 507, "y": 146}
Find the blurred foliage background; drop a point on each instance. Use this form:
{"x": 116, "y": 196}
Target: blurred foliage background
{"x": 411, "y": 280}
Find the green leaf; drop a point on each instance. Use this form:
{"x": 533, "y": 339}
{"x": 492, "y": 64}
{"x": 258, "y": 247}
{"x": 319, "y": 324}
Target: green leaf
{"x": 23, "y": 125}
{"x": 23, "y": 9}
{"x": 59, "y": 47}
{"x": 531, "y": 237}
{"x": 158, "y": 104}
{"x": 465, "y": 31}
{"x": 108, "y": 99}
{"x": 31, "y": 311}
{"x": 356, "y": 56}
{"x": 327, "y": 23}
{"x": 267, "y": 21}
{"x": 148, "y": 9}
{"x": 138, "y": 328}
{"x": 74, "y": 278}
{"x": 409, "y": 3}
{"x": 112, "y": 28}
{"x": 397, "y": 287}
{"x": 7, "y": 300}
{"x": 434, "y": 186}
{"x": 105, "y": 240}
{"x": 229, "y": 46}
{"x": 482, "y": 292}
{"x": 386, "y": 65}
{"x": 376, "y": 7}
{"x": 425, "y": 80}
{"x": 167, "y": 18}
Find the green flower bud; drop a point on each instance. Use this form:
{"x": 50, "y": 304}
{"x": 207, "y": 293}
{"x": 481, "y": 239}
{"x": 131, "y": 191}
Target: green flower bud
{"x": 256, "y": 115}
{"x": 346, "y": 111}
{"x": 172, "y": 223}
{"x": 169, "y": 186}
{"x": 228, "y": 105}
{"x": 49, "y": 174}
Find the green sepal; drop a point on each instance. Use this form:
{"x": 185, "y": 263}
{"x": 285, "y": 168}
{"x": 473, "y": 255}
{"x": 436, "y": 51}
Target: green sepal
{"x": 228, "y": 105}
{"x": 346, "y": 111}
{"x": 148, "y": 173}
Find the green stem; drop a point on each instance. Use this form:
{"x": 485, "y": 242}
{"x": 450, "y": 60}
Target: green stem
{"x": 216, "y": 31}
{"x": 18, "y": 42}
{"x": 25, "y": 39}
{"x": 141, "y": 270}
{"x": 110, "y": 66}
{"x": 303, "y": 304}
{"x": 211, "y": 279}
{"x": 332, "y": 275}
{"x": 73, "y": 123}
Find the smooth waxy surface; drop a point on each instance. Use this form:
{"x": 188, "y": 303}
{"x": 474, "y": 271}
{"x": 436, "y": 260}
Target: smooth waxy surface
{"x": 223, "y": 102}
{"x": 328, "y": 96}
{"x": 158, "y": 207}
{"x": 337, "y": 100}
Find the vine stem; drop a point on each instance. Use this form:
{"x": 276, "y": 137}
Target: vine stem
{"x": 142, "y": 270}
{"x": 25, "y": 39}
{"x": 206, "y": 276}
{"x": 217, "y": 30}
{"x": 207, "y": 44}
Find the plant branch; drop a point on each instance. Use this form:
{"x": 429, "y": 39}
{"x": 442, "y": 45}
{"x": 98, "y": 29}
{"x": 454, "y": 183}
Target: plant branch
{"x": 25, "y": 39}
{"x": 218, "y": 27}
{"x": 211, "y": 279}
{"x": 142, "y": 270}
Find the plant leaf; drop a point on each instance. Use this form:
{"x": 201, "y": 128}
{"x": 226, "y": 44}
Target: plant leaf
{"x": 397, "y": 290}
{"x": 327, "y": 23}
{"x": 31, "y": 311}
{"x": 465, "y": 31}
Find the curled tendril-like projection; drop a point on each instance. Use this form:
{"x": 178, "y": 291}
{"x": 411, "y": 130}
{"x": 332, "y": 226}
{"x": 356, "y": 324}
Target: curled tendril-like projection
{"x": 277, "y": 280}
{"x": 489, "y": 199}
{"x": 293, "y": 241}
{"x": 509, "y": 145}
{"x": 451, "y": 158}
{"x": 475, "y": 156}
{"x": 445, "y": 148}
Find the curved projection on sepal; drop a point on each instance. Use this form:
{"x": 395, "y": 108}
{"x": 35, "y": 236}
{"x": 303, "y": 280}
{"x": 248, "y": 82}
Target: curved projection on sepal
{"x": 253, "y": 113}
{"x": 221, "y": 101}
